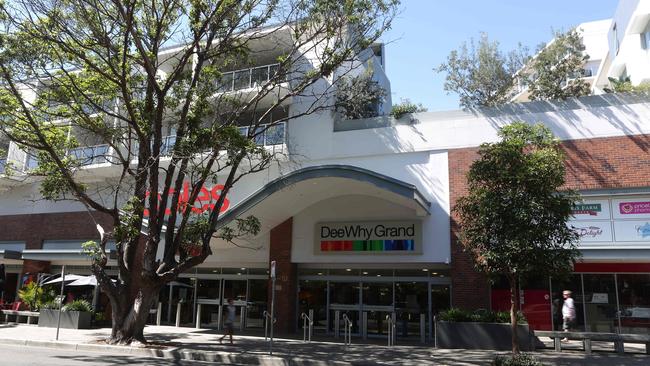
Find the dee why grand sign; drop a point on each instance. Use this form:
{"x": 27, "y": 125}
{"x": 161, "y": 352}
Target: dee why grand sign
{"x": 375, "y": 236}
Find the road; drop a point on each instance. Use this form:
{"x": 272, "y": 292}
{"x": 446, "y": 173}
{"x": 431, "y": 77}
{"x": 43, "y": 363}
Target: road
{"x": 23, "y": 356}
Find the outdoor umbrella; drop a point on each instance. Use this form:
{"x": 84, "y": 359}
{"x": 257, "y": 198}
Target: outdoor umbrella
{"x": 84, "y": 281}
{"x": 68, "y": 277}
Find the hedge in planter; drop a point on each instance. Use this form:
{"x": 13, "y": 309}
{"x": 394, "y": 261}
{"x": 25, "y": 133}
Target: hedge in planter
{"x": 481, "y": 330}
{"x": 75, "y": 315}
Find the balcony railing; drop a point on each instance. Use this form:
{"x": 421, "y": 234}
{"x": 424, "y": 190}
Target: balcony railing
{"x": 246, "y": 78}
{"x": 89, "y": 155}
{"x": 3, "y": 163}
{"x": 274, "y": 135}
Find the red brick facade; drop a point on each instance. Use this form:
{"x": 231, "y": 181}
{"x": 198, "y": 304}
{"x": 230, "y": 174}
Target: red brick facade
{"x": 286, "y": 277}
{"x": 602, "y": 163}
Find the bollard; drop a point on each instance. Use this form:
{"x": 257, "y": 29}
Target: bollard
{"x": 423, "y": 328}
{"x": 159, "y": 314}
{"x": 178, "y": 314}
{"x": 364, "y": 325}
{"x": 337, "y": 326}
{"x": 242, "y": 318}
{"x": 311, "y": 328}
{"x": 198, "y": 316}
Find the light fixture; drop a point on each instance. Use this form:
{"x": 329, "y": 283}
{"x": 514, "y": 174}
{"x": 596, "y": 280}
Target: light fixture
{"x": 238, "y": 273}
{"x": 425, "y": 270}
{"x": 320, "y": 273}
{"x": 365, "y": 273}
{"x": 243, "y": 269}
{"x": 434, "y": 273}
{"x": 348, "y": 269}
{"x": 378, "y": 275}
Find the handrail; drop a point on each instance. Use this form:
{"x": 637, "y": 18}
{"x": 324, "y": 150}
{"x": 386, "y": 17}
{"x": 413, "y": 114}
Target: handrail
{"x": 391, "y": 330}
{"x": 347, "y": 330}
{"x": 267, "y": 317}
{"x": 307, "y": 326}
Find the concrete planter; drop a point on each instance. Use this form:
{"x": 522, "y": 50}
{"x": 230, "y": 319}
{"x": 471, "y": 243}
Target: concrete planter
{"x": 471, "y": 335}
{"x": 69, "y": 319}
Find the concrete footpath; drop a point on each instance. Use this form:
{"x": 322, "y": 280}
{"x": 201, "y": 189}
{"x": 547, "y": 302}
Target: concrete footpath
{"x": 201, "y": 344}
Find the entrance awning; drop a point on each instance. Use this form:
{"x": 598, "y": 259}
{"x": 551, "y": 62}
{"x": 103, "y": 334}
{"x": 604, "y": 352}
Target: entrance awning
{"x": 292, "y": 193}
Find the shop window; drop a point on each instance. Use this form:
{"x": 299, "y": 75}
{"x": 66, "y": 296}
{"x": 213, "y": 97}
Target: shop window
{"x": 312, "y": 295}
{"x": 600, "y": 303}
{"x": 573, "y": 284}
{"x": 634, "y": 299}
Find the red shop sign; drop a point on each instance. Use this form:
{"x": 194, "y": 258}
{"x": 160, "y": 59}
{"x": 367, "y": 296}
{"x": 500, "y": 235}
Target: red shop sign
{"x": 204, "y": 201}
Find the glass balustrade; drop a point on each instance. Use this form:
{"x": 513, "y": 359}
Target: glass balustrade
{"x": 272, "y": 135}
{"x": 247, "y": 78}
{"x": 89, "y": 155}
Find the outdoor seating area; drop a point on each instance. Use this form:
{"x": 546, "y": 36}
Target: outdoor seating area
{"x": 13, "y": 311}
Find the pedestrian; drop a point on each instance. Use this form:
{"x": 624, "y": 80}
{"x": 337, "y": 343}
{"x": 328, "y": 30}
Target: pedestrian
{"x": 228, "y": 325}
{"x": 568, "y": 313}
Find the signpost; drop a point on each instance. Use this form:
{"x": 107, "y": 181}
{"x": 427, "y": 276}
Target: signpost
{"x": 272, "y": 305}
{"x": 60, "y": 300}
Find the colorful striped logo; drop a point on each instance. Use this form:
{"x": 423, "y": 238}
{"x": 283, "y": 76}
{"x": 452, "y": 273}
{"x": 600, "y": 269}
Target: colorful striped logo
{"x": 407, "y": 245}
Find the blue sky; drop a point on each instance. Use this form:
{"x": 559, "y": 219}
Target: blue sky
{"x": 427, "y": 30}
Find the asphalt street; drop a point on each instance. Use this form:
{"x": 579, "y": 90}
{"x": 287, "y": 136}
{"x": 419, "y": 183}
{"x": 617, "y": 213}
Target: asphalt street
{"x": 22, "y": 356}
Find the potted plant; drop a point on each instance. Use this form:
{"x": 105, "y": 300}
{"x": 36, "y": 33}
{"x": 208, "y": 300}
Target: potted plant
{"x": 74, "y": 315}
{"x": 457, "y": 328}
{"x": 35, "y": 296}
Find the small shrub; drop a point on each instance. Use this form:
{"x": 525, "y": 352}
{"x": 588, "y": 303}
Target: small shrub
{"x": 480, "y": 316}
{"x": 35, "y": 296}
{"x": 78, "y": 305}
{"x": 522, "y": 359}
{"x": 405, "y": 107}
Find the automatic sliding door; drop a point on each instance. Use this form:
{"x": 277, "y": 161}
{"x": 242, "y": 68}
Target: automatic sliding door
{"x": 378, "y": 304}
{"x": 344, "y": 298}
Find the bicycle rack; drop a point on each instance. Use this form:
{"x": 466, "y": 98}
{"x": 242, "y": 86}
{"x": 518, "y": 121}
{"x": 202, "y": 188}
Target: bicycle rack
{"x": 267, "y": 318}
{"x": 347, "y": 330}
{"x": 307, "y": 327}
{"x": 391, "y": 330}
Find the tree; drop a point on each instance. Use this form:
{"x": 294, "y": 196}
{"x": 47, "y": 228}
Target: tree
{"x": 513, "y": 220}
{"x": 482, "y": 75}
{"x": 557, "y": 69}
{"x": 624, "y": 85}
{"x": 126, "y": 73}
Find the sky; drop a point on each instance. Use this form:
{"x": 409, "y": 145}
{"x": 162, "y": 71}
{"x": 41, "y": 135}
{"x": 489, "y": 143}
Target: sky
{"x": 426, "y": 31}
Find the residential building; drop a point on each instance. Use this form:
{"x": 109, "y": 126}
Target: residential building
{"x": 618, "y": 48}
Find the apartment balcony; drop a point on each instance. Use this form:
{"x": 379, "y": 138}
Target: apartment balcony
{"x": 246, "y": 83}
{"x": 91, "y": 155}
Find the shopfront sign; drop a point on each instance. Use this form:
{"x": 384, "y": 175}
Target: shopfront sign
{"x": 592, "y": 231}
{"x": 205, "y": 201}
{"x": 364, "y": 237}
{"x": 630, "y": 209}
{"x": 591, "y": 210}
{"x": 632, "y": 230}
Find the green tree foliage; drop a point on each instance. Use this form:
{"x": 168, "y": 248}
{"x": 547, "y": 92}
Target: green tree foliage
{"x": 624, "y": 85}
{"x": 35, "y": 296}
{"x": 124, "y": 74}
{"x": 481, "y": 74}
{"x": 555, "y": 72}
{"x": 359, "y": 97}
{"x": 405, "y": 107}
{"x": 513, "y": 220}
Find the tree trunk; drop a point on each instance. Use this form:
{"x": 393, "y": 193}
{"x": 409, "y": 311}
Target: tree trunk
{"x": 514, "y": 308}
{"x": 130, "y": 311}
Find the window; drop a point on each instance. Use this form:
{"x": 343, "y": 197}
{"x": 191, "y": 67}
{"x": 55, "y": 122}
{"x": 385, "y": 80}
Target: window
{"x": 645, "y": 38}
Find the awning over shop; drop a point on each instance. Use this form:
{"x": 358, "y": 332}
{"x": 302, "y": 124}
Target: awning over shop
{"x": 291, "y": 193}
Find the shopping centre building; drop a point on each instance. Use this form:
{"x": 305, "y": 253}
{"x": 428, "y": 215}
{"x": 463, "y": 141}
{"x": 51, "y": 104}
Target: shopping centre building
{"x": 358, "y": 221}
{"x": 357, "y": 215}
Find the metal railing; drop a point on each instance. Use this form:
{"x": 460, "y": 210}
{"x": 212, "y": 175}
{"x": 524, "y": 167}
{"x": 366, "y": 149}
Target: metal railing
{"x": 267, "y": 323}
{"x": 391, "y": 330}
{"x": 307, "y": 326}
{"x": 247, "y": 78}
{"x": 347, "y": 330}
{"x": 89, "y": 155}
{"x": 271, "y": 135}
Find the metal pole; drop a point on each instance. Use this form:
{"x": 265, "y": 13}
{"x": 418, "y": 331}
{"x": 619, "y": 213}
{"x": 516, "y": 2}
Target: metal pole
{"x": 423, "y": 328}
{"x": 198, "y": 316}
{"x": 58, "y": 320}
{"x": 178, "y": 315}
{"x": 159, "y": 313}
{"x": 435, "y": 331}
{"x": 272, "y": 314}
{"x": 311, "y": 323}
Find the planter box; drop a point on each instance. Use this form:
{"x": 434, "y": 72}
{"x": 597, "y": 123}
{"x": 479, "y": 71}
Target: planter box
{"x": 69, "y": 319}
{"x": 471, "y": 335}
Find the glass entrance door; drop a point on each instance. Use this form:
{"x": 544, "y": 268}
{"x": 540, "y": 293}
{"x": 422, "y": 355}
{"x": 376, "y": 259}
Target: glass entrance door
{"x": 344, "y": 298}
{"x": 411, "y": 299}
{"x": 208, "y": 296}
{"x": 377, "y": 304}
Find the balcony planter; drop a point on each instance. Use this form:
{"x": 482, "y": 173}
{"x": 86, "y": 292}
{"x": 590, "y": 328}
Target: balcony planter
{"x": 474, "y": 335}
{"x": 69, "y": 319}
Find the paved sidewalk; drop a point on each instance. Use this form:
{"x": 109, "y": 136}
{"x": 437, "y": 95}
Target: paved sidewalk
{"x": 201, "y": 344}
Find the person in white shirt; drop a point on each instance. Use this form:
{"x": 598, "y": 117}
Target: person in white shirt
{"x": 568, "y": 312}
{"x": 231, "y": 313}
